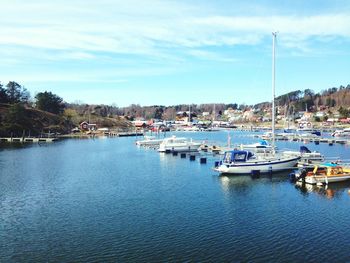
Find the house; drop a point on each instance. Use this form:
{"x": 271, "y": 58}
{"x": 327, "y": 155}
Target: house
{"x": 345, "y": 121}
{"x": 85, "y": 126}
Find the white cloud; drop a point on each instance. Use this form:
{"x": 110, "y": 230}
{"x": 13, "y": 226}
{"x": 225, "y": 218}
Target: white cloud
{"x": 155, "y": 36}
{"x": 127, "y": 27}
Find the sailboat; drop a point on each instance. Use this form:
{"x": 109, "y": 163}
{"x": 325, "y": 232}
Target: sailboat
{"x": 246, "y": 162}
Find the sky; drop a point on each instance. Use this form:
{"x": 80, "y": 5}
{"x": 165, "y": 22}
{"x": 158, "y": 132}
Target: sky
{"x": 162, "y": 52}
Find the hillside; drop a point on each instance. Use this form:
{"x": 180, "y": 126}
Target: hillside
{"x": 18, "y": 118}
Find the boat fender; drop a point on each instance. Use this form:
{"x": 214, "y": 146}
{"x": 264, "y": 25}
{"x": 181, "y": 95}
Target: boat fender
{"x": 255, "y": 173}
{"x": 292, "y": 177}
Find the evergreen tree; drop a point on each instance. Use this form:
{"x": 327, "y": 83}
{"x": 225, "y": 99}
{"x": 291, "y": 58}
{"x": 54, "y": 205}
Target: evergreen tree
{"x": 50, "y": 102}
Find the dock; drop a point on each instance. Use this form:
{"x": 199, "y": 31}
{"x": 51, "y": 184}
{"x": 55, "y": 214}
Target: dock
{"x": 27, "y": 139}
{"x": 316, "y": 140}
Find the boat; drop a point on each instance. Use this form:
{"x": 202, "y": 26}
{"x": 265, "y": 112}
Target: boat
{"x": 238, "y": 162}
{"x": 149, "y": 141}
{"x": 245, "y": 162}
{"x": 342, "y": 133}
{"x": 322, "y": 174}
{"x": 190, "y": 129}
{"x": 262, "y": 145}
{"x": 307, "y": 157}
{"x": 174, "y": 144}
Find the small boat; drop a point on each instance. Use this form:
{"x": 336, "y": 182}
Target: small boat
{"x": 190, "y": 129}
{"x": 245, "y": 162}
{"x": 342, "y": 133}
{"x": 174, "y": 144}
{"x": 306, "y": 156}
{"x": 149, "y": 141}
{"x": 262, "y": 145}
{"x": 322, "y": 174}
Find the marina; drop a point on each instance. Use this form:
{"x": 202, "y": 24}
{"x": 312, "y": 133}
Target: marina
{"x": 110, "y": 188}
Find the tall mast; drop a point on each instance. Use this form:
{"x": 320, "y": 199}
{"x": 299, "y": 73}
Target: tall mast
{"x": 189, "y": 113}
{"x": 274, "y": 34}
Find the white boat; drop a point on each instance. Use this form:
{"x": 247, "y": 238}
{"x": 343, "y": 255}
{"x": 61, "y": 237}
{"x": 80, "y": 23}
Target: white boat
{"x": 306, "y": 156}
{"x": 342, "y": 133}
{"x": 245, "y": 162}
{"x": 191, "y": 129}
{"x": 149, "y": 141}
{"x": 262, "y": 145}
{"x": 174, "y": 144}
{"x": 322, "y": 174}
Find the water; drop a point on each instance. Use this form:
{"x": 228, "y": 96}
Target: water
{"x": 105, "y": 200}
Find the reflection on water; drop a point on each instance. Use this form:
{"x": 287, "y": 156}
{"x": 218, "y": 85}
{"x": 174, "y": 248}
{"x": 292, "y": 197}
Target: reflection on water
{"x": 106, "y": 200}
{"x": 242, "y": 183}
{"x": 334, "y": 190}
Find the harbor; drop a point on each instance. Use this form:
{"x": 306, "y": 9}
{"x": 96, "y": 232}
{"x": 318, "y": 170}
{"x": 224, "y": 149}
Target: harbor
{"x": 109, "y": 188}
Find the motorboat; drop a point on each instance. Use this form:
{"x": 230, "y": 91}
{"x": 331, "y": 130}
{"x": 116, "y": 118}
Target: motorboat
{"x": 149, "y": 141}
{"x": 175, "y": 144}
{"x": 191, "y": 129}
{"x": 342, "y": 133}
{"x": 306, "y": 156}
{"x": 262, "y": 145}
{"x": 322, "y": 174}
{"x": 245, "y": 162}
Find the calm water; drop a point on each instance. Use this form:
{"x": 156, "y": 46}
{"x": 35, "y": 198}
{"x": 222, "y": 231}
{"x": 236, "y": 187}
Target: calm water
{"x": 105, "y": 200}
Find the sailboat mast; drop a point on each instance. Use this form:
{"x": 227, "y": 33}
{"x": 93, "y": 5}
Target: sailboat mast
{"x": 274, "y": 34}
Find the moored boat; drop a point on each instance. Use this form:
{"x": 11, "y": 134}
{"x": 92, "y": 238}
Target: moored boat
{"x": 322, "y": 174}
{"x": 262, "y": 145}
{"x": 174, "y": 144}
{"x": 245, "y": 162}
{"x": 306, "y": 156}
{"x": 342, "y": 133}
{"x": 149, "y": 141}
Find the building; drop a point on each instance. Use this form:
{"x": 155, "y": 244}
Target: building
{"x": 85, "y": 126}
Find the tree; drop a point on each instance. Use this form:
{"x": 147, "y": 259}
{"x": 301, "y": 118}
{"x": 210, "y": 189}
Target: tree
{"x": 3, "y": 95}
{"x": 16, "y": 120}
{"x": 16, "y": 93}
{"x": 50, "y": 102}
{"x": 330, "y": 102}
{"x": 344, "y": 113}
{"x": 158, "y": 114}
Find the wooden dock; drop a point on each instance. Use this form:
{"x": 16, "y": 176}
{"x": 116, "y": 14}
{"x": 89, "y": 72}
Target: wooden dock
{"x": 26, "y": 139}
{"x": 297, "y": 138}
{"x": 129, "y": 134}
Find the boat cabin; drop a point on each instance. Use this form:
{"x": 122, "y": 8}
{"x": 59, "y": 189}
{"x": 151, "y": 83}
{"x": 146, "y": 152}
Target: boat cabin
{"x": 237, "y": 156}
{"x": 326, "y": 170}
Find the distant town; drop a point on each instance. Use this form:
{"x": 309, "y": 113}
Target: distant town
{"x": 47, "y": 113}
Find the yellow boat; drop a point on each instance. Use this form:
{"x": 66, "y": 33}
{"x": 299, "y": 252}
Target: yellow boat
{"x": 324, "y": 174}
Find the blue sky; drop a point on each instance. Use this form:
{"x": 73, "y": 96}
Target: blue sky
{"x": 160, "y": 52}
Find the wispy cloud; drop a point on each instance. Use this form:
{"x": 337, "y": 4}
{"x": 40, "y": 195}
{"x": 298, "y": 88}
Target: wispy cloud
{"x": 116, "y": 40}
{"x": 117, "y": 27}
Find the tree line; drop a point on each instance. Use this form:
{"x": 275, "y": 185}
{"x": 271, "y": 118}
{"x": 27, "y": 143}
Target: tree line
{"x": 20, "y": 107}
{"x": 17, "y": 115}
{"x": 14, "y": 93}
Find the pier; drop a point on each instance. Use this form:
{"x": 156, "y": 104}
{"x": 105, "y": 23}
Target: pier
{"x": 27, "y": 139}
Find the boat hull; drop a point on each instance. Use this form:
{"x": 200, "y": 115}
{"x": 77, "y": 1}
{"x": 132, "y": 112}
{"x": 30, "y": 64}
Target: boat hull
{"x": 258, "y": 167}
{"x": 192, "y": 147}
{"x": 326, "y": 179}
